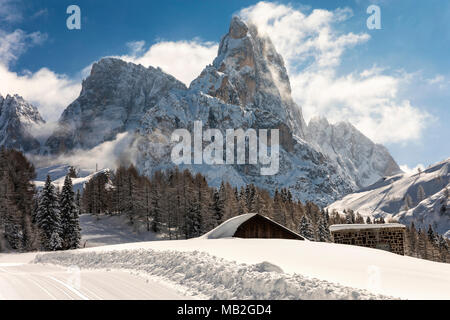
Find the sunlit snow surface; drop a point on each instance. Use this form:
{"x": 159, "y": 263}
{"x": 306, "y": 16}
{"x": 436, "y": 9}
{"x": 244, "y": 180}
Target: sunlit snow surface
{"x": 387, "y": 198}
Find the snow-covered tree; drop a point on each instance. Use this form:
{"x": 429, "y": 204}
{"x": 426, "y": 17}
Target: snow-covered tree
{"x": 70, "y": 224}
{"x": 323, "y": 232}
{"x": 306, "y": 229}
{"x": 408, "y": 202}
{"x": 420, "y": 194}
{"x": 359, "y": 219}
{"x": 47, "y": 215}
{"x": 55, "y": 242}
{"x": 350, "y": 217}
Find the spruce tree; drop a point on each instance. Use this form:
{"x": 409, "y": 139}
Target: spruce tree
{"x": 306, "y": 229}
{"x": 70, "y": 224}
{"x": 322, "y": 230}
{"x": 47, "y": 216}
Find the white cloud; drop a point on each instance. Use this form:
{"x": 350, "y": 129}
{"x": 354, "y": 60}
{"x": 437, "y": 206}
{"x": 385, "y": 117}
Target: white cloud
{"x": 52, "y": 92}
{"x": 9, "y": 11}
{"x": 49, "y": 91}
{"x": 182, "y": 59}
{"x": 313, "y": 49}
{"x": 13, "y": 44}
{"x": 407, "y": 169}
{"x": 437, "y": 79}
{"x": 109, "y": 154}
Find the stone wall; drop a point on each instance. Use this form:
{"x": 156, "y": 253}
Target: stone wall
{"x": 389, "y": 239}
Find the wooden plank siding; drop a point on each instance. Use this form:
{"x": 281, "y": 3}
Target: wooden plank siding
{"x": 261, "y": 227}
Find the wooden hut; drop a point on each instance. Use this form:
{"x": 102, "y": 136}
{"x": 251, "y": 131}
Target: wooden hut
{"x": 252, "y": 225}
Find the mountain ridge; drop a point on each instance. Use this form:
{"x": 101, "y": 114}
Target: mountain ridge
{"x": 246, "y": 86}
{"x": 17, "y": 120}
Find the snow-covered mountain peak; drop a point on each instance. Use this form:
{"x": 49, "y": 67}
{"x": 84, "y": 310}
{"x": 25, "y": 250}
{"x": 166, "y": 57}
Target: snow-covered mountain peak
{"x": 16, "y": 106}
{"x": 363, "y": 159}
{"x": 17, "y": 119}
{"x": 250, "y": 73}
{"x": 113, "y": 100}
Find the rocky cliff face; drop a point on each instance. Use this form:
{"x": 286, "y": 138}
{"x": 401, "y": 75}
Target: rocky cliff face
{"x": 248, "y": 72}
{"x": 17, "y": 119}
{"x": 364, "y": 161}
{"x": 112, "y": 100}
{"x": 246, "y": 86}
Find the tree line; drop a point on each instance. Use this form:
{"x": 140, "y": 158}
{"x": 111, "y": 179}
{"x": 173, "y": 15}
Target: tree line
{"x": 31, "y": 220}
{"x": 180, "y": 205}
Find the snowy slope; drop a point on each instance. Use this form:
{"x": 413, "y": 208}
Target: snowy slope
{"x": 106, "y": 230}
{"x": 388, "y": 197}
{"x": 58, "y": 173}
{"x": 271, "y": 268}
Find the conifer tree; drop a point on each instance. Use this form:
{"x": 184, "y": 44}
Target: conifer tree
{"x": 70, "y": 224}
{"x": 306, "y": 229}
{"x": 322, "y": 231}
{"x": 48, "y": 218}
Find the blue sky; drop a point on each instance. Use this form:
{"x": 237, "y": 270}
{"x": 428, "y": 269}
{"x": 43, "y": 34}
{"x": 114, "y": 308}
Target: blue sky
{"x": 401, "y": 73}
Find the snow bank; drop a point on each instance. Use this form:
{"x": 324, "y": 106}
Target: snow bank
{"x": 211, "y": 276}
{"x": 374, "y": 270}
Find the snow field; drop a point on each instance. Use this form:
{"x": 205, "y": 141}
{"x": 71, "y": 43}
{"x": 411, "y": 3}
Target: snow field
{"x": 211, "y": 276}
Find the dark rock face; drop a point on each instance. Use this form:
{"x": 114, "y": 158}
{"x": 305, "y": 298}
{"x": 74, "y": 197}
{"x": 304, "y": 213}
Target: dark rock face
{"x": 112, "y": 100}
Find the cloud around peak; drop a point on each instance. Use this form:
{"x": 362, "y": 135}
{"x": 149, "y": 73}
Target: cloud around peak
{"x": 313, "y": 49}
{"x": 182, "y": 59}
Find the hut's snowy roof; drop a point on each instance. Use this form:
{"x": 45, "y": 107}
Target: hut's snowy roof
{"x": 342, "y": 227}
{"x": 228, "y": 228}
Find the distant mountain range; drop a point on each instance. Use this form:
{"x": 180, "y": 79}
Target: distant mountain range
{"x": 420, "y": 197}
{"x": 246, "y": 86}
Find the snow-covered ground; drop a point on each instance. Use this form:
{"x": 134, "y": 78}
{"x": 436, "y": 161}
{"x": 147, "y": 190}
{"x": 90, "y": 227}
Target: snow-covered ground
{"x": 388, "y": 197}
{"x": 22, "y": 280}
{"x": 106, "y": 230}
{"x": 231, "y": 268}
{"x": 224, "y": 268}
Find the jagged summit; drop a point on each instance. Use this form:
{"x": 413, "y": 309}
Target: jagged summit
{"x": 364, "y": 160}
{"x": 250, "y": 73}
{"x": 17, "y": 119}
